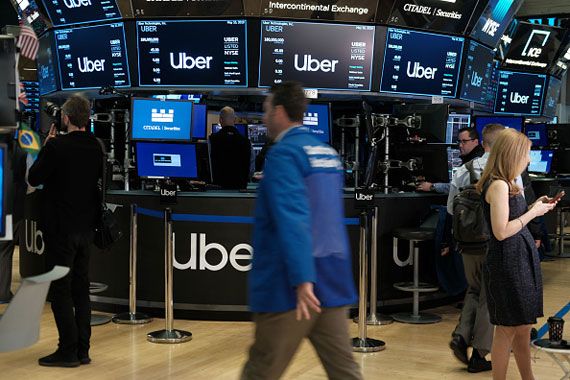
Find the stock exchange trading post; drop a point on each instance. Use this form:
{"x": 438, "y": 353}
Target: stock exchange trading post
{"x": 520, "y": 93}
{"x": 92, "y": 56}
{"x": 322, "y": 56}
{"x": 421, "y": 63}
{"x": 218, "y": 60}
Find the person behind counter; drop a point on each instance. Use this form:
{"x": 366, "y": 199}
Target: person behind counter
{"x": 230, "y": 153}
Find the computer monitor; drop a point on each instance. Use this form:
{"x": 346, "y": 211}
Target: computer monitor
{"x": 520, "y": 93}
{"x": 317, "y": 119}
{"x": 241, "y": 128}
{"x": 160, "y": 120}
{"x": 196, "y": 98}
{"x": 434, "y": 119}
{"x": 199, "y": 120}
{"x": 455, "y": 122}
{"x": 164, "y": 160}
{"x": 540, "y": 161}
{"x": 537, "y": 134}
{"x": 515, "y": 122}
{"x": 257, "y": 134}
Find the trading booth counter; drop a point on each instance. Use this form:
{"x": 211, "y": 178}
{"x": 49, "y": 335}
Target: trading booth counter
{"x": 212, "y": 250}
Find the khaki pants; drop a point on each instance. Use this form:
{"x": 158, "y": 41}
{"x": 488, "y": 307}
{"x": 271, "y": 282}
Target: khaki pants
{"x": 278, "y": 335}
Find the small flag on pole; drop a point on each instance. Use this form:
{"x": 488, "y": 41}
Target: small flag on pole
{"x": 28, "y": 42}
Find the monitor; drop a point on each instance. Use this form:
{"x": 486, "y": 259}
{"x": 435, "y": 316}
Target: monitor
{"x": 46, "y": 65}
{"x": 478, "y": 73}
{"x": 220, "y": 60}
{"x": 411, "y": 68}
{"x": 436, "y": 15}
{"x": 199, "y": 117}
{"x": 163, "y": 160}
{"x": 533, "y": 47}
{"x": 241, "y": 128}
{"x": 552, "y": 96}
{"x": 562, "y": 61}
{"x": 537, "y": 134}
{"x": 168, "y": 120}
{"x": 455, "y": 122}
{"x": 434, "y": 118}
{"x": 195, "y": 98}
{"x": 514, "y": 122}
{"x": 520, "y": 93}
{"x": 540, "y": 161}
{"x": 314, "y": 59}
{"x": 317, "y": 119}
{"x": 257, "y": 134}
{"x": 32, "y": 91}
{"x": 494, "y": 20}
{"x": 3, "y": 179}
{"x": 92, "y": 57}
{"x": 65, "y": 12}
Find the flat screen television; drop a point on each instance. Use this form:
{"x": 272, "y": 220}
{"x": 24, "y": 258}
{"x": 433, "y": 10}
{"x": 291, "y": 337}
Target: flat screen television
{"x": 552, "y": 97}
{"x": 560, "y": 65}
{"x": 317, "y": 119}
{"x": 65, "y": 12}
{"x": 477, "y": 84}
{"x": 46, "y": 65}
{"x": 92, "y": 57}
{"x": 410, "y": 67}
{"x": 220, "y": 60}
{"x": 494, "y": 20}
{"x": 540, "y": 161}
{"x": 455, "y": 122}
{"x": 166, "y": 160}
{"x": 537, "y": 134}
{"x": 199, "y": 121}
{"x": 160, "y": 120}
{"x": 520, "y": 93}
{"x": 257, "y": 134}
{"x": 515, "y": 122}
{"x": 320, "y": 56}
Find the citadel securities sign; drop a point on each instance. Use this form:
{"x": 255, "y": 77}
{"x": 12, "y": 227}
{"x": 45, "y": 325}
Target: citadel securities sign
{"x": 339, "y": 10}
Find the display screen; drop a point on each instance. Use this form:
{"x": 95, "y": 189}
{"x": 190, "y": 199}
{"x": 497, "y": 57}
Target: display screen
{"x": 540, "y": 161}
{"x": 215, "y": 61}
{"x": 257, "y": 134}
{"x": 552, "y": 97}
{"x": 478, "y": 74}
{"x": 537, "y": 134}
{"x": 199, "y": 117}
{"x": 336, "y": 10}
{"x": 64, "y": 12}
{"x": 509, "y": 122}
{"x": 533, "y": 47}
{"x": 32, "y": 91}
{"x": 436, "y": 15}
{"x": 241, "y": 128}
{"x": 411, "y": 68}
{"x": 520, "y": 93}
{"x": 46, "y": 66}
{"x": 192, "y": 8}
{"x": 196, "y": 98}
{"x": 161, "y": 120}
{"x": 562, "y": 62}
{"x": 455, "y": 122}
{"x": 299, "y": 51}
{"x": 494, "y": 20}
{"x": 162, "y": 160}
{"x": 317, "y": 118}
{"x": 92, "y": 57}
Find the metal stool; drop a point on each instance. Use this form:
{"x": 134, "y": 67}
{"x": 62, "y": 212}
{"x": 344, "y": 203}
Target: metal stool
{"x": 98, "y": 319}
{"x": 415, "y": 236}
{"x": 560, "y": 235}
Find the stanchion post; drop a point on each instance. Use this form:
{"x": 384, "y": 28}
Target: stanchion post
{"x": 132, "y": 317}
{"x": 169, "y": 334}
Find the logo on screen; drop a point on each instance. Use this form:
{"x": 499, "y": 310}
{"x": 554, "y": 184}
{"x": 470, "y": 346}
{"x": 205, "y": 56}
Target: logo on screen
{"x": 517, "y": 98}
{"x": 491, "y": 26}
{"x": 88, "y": 66}
{"x": 311, "y": 64}
{"x": 165, "y": 159}
{"x": 311, "y": 119}
{"x": 187, "y": 62}
{"x": 420, "y": 72}
{"x": 535, "y": 52}
{"x": 476, "y": 79}
{"x": 76, "y": 3}
{"x": 162, "y": 115}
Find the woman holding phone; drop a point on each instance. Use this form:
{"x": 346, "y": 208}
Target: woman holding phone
{"x": 512, "y": 273}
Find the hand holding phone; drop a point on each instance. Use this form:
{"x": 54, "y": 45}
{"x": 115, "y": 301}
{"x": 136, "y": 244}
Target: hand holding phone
{"x": 557, "y": 197}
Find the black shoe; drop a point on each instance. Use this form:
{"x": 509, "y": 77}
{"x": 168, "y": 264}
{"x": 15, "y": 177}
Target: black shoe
{"x": 477, "y": 363}
{"x": 57, "y": 359}
{"x": 459, "y": 348}
{"x": 85, "y": 360}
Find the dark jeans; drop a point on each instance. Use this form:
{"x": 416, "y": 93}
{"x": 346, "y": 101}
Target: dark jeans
{"x": 70, "y": 295}
{"x": 6, "y": 254}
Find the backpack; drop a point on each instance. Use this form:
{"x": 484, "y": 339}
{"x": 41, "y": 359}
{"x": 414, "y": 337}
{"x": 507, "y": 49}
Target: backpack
{"x": 470, "y": 228}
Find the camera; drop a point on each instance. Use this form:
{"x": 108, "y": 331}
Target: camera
{"x": 54, "y": 113}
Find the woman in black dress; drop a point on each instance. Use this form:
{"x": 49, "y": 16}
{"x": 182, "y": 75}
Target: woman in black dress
{"x": 511, "y": 274}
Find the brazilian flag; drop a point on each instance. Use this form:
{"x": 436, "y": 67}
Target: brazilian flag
{"x": 29, "y": 140}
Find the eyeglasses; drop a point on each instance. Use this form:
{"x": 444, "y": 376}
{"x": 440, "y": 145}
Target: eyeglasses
{"x": 464, "y": 141}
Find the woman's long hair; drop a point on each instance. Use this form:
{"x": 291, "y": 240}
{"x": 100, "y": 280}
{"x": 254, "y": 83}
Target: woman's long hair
{"x": 509, "y": 157}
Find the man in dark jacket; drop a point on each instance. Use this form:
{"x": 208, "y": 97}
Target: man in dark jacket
{"x": 69, "y": 167}
{"x": 230, "y": 153}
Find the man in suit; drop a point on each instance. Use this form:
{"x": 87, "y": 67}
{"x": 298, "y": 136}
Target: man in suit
{"x": 301, "y": 281}
{"x": 69, "y": 167}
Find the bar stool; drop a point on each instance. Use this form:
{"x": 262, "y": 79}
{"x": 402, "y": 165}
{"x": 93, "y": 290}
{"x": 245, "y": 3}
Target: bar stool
{"x": 560, "y": 235}
{"x": 98, "y": 319}
{"x": 415, "y": 236}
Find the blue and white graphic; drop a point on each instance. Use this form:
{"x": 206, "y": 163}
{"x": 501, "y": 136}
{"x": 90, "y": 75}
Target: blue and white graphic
{"x": 537, "y": 134}
{"x": 540, "y": 161}
{"x": 162, "y": 115}
{"x": 509, "y": 122}
{"x": 317, "y": 119}
{"x": 494, "y": 20}
{"x": 161, "y": 120}
{"x": 166, "y": 160}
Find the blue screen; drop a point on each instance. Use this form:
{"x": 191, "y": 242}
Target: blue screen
{"x": 160, "y": 160}
{"x": 317, "y": 119}
{"x": 64, "y": 12}
{"x": 520, "y": 93}
{"x": 537, "y": 134}
{"x": 2, "y": 210}
{"x": 161, "y": 120}
{"x": 199, "y": 116}
{"x": 540, "y": 161}
{"x": 46, "y": 65}
{"x": 494, "y": 20}
{"x": 421, "y": 63}
{"x": 509, "y": 122}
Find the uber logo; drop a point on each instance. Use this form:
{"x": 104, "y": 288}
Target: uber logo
{"x": 421, "y": 72}
{"x": 34, "y": 237}
{"x": 312, "y": 64}
{"x": 76, "y": 3}
{"x": 517, "y": 98}
{"x": 535, "y": 52}
{"x": 364, "y": 197}
{"x": 476, "y": 79}
{"x": 89, "y": 66}
{"x": 187, "y": 62}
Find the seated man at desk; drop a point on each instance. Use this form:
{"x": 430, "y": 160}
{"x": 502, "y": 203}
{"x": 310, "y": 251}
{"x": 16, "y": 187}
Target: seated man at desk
{"x": 230, "y": 154}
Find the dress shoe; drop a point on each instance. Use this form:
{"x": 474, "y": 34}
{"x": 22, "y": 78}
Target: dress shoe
{"x": 459, "y": 348}
{"x": 57, "y": 359}
{"x": 477, "y": 363}
{"x": 84, "y": 358}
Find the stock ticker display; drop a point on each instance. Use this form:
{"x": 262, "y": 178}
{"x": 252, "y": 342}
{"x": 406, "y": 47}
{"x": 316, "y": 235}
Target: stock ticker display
{"x": 92, "y": 56}
{"x": 520, "y": 93}
{"x": 65, "y": 12}
{"x": 421, "y": 63}
{"x": 322, "y": 56}
{"x": 218, "y": 60}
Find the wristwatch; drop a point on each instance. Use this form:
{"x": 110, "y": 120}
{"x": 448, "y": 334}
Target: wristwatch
{"x": 432, "y": 187}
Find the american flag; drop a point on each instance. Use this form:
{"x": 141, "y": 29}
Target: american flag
{"x": 22, "y": 97}
{"x": 28, "y": 42}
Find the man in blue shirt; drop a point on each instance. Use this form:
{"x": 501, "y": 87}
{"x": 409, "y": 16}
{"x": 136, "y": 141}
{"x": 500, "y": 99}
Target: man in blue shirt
{"x": 301, "y": 280}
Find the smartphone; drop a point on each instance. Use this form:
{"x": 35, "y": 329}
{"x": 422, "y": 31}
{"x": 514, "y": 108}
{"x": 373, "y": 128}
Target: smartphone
{"x": 558, "y": 197}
